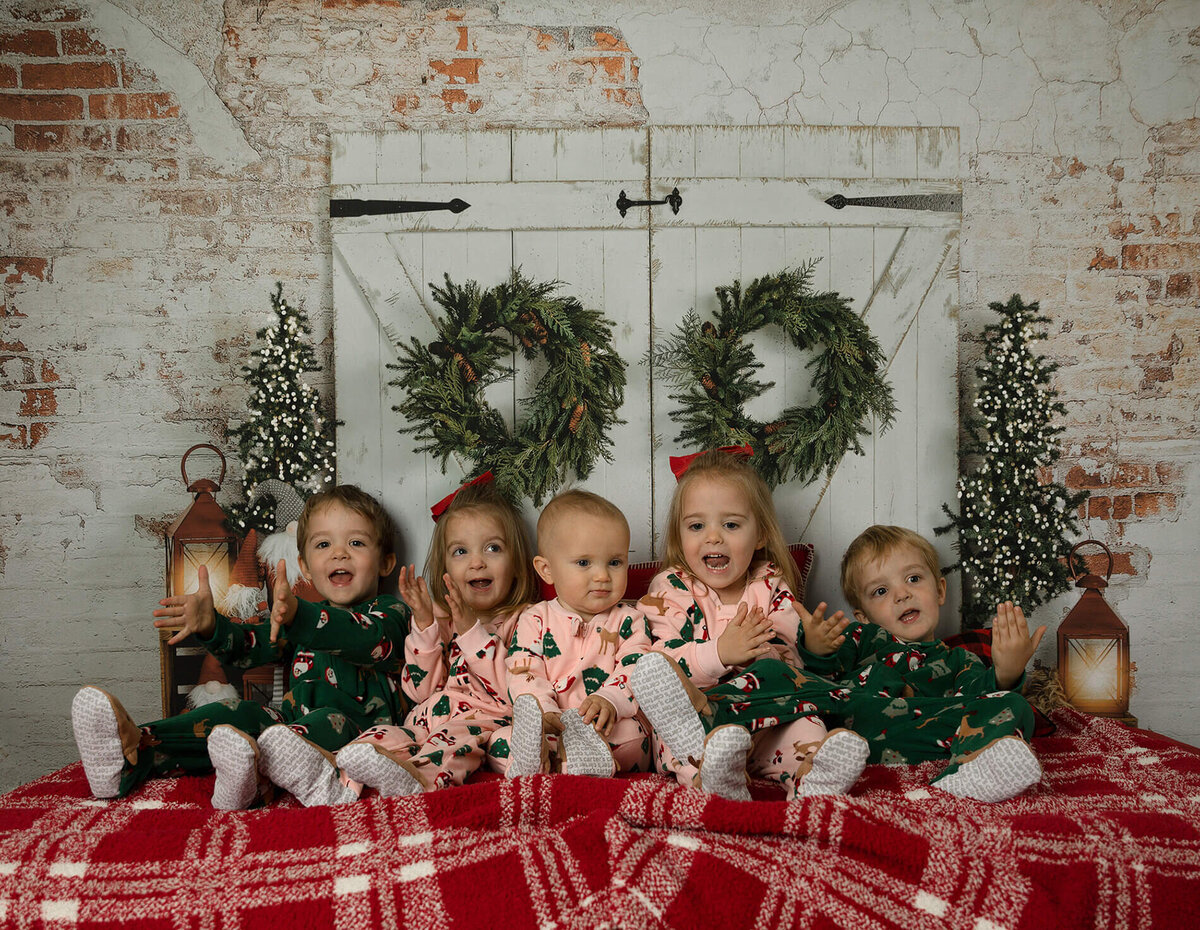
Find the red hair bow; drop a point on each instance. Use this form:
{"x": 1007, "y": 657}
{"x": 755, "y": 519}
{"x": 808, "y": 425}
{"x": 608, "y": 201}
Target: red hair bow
{"x": 441, "y": 506}
{"x": 681, "y": 463}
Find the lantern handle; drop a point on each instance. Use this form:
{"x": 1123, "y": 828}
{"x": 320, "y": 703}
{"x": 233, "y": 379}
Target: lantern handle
{"x": 201, "y": 445}
{"x": 1089, "y": 542}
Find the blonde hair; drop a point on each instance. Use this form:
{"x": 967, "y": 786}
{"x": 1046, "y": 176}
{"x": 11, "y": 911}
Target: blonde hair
{"x": 484, "y": 499}
{"x": 716, "y": 465}
{"x": 877, "y": 542}
{"x": 579, "y": 502}
{"x": 352, "y": 498}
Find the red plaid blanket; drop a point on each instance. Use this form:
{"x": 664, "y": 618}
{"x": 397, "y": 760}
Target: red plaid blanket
{"x": 1109, "y": 839}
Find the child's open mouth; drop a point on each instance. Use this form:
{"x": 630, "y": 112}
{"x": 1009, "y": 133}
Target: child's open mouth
{"x": 909, "y": 616}
{"x": 480, "y": 584}
{"x": 716, "y": 563}
{"x": 340, "y": 577}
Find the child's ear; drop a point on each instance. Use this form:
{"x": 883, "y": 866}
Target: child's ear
{"x": 304, "y": 569}
{"x": 861, "y": 617}
{"x": 541, "y": 565}
{"x": 941, "y": 591}
{"x": 386, "y": 564}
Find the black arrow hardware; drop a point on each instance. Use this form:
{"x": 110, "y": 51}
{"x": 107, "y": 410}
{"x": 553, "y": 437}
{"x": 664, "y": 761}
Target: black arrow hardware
{"x": 938, "y": 203}
{"x": 340, "y": 207}
{"x": 674, "y": 198}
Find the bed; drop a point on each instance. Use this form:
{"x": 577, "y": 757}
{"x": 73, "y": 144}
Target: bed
{"x": 1110, "y": 838}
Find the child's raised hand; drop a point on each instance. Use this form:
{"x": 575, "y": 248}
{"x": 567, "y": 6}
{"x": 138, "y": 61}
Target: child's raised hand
{"x": 415, "y": 593}
{"x": 283, "y": 611}
{"x": 1012, "y": 646}
{"x": 462, "y": 614}
{"x": 823, "y": 636}
{"x": 193, "y": 612}
{"x": 599, "y": 712}
{"x": 746, "y": 638}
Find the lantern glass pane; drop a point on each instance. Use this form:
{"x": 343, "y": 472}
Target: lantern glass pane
{"x": 1093, "y": 671}
{"x": 213, "y": 555}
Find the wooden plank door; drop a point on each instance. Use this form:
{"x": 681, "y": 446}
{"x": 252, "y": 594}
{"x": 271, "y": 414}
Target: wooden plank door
{"x": 754, "y": 203}
{"x": 541, "y": 200}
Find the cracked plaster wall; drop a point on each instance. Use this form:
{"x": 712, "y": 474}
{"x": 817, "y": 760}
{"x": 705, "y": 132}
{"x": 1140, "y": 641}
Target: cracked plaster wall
{"x": 160, "y": 168}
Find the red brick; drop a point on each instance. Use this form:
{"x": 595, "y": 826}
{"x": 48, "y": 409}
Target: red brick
{"x": 1129, "y": 474}
{"x": 1179, "y": 285}
{"x": 1102, "y": 262}
{"x": 610, "y": 68}
{"x": 1150, "y": 503}
{"x": 37, "y": 432}
{"x": 75, "y": 74}
{"x": 1150, "y": 257}
{"x": 8, "y": 76}
{"x": 40, "y": 402}
{"x": 459, "y": 70}
{"x": 132, "y": 106}
{"x": 1078, "y": 478}
{"x": 40, "y": 43}
{"x": 1166, "y": 472}
{"x": 52, "y": 14}
{"x": 1122, "y": 507}
{"x": 49, "y": 375}
{"x": 1153, "y": 288}
{"x": 462, "y": 39}
{"x": 59, "y": 138}
{"x": 1119, "y": 230}
{"x": 1099, "y": 507}
{"x": 14, "y": 435}
{"x": 40, "y": 107}
{"x": 451, "y": 96}
{"x": 81, "y": 42}
{"x": 609, "y": 42}
{"x": 16, "y": 269}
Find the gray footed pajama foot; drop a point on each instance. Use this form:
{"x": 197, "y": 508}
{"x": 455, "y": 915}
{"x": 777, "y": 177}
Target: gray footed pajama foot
{"x": 1001, "y": 770}
{"x": 104, "y": 733}
{"x": 234, "y": 757}
{"x": 529, "y": 752}
{"x": 671, "y": 703}
{"x": 833, "y": 767}
{"x": 584, "y": 751}
{"x": 296, "y": 765}
{"x": 366, "y": 763}
{"x": 723, "y": 768}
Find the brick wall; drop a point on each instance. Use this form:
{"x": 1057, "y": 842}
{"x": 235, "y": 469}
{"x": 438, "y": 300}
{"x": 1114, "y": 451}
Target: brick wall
{"x": 142, "y": 235}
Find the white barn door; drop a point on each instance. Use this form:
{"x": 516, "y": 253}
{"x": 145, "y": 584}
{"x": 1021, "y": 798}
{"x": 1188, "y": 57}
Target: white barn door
{"x": 753, "y": 203}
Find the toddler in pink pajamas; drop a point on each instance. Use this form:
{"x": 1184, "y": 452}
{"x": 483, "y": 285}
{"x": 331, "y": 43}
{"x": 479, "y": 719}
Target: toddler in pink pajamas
{"x": 725, "y": 621}
{"x": 569, "y": 661}
{"x": 480, "y": 574}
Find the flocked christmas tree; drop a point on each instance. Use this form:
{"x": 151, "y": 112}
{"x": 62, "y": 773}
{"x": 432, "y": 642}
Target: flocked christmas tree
{"x": 286, "y": 436}
{"x": 1013, "y": 526}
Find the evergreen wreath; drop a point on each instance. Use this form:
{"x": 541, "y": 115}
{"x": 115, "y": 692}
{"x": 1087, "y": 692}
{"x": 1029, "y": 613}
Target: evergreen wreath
{"x": 565, "y": 423}
{"x": 712, "y": 365}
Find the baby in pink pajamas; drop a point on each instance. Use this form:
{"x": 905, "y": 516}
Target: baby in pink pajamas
{"x": 481, "y": 576}
{"x": 569, "y": 662}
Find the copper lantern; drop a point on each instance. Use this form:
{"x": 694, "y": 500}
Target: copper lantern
{"x": 1093, "y": 647}
{"x": 199, "y": 537}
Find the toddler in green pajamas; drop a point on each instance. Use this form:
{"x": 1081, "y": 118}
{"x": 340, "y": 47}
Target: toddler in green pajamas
{"x": 343, "y": 654}
{"x": 908, "y": 694}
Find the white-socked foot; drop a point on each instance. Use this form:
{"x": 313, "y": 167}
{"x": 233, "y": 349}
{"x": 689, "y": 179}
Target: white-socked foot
{"x": 723, "y": 767}
{"x": 584, "y": 751}
{"x": 296, "y": 765}
{"x": 834, "y": 767}
{"x": 666, "y": 696}
{"x": 95, "y": 718}
{"x": 527, "y": 746}
{"x": 1002, "y": 770}
{"x": 364, "y": 763}
{"x": 234, "y": 757}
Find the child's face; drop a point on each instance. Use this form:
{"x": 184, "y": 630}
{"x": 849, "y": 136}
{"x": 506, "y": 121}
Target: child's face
{"x": 899, "y": 593}
{"x": 478, "y": 559}
{"x": 719, "y": 535}
{"x": 342, "y": 557}
{"x": 586, "y": 558}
